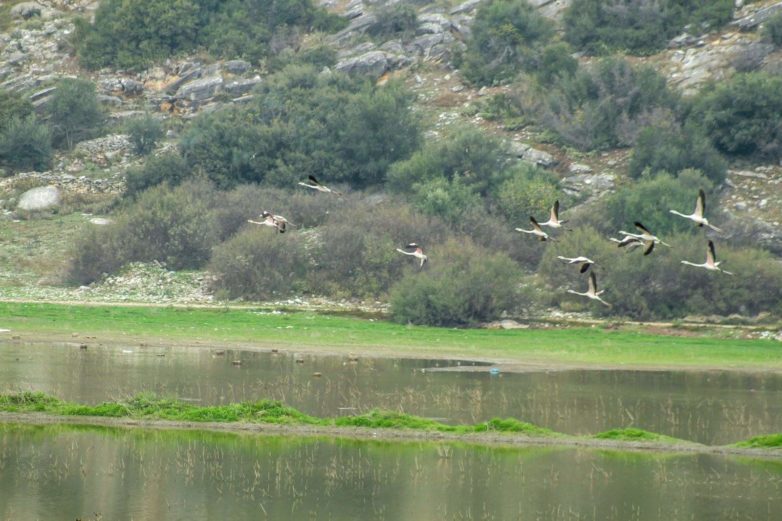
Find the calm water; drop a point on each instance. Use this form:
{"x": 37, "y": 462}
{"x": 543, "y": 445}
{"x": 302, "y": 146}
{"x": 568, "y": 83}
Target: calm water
{"x": 97, "y": 474}
{"x": 711, "y": 407}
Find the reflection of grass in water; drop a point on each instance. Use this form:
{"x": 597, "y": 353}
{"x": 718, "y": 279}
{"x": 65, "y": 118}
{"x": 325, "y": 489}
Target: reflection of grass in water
{"x": 771, "y": 441}
{"x": 633, "y": 434}
{"x": 573, "y": 345}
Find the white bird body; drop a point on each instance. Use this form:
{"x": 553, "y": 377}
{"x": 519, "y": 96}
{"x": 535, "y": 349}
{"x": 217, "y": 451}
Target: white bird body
{"x": 645, "y": 235}
{"x": 697, "y": 216}
{"x": 418, "y": 253}
{"x": 591, "y": 291}
{"x": 315, "y": 185}
{"x": 633, "y": 242}
{"x": 711, "y": 261}
{"x": 553, "y": 220}
{"x": 273, "y": 221}
{"x": 584, "y": 261}
{"x": 536, "y": 231}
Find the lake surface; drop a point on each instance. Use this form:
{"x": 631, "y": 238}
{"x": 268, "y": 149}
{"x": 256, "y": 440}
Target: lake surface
{"x": 708, "y": 407}
{"x": 58, "y": 472}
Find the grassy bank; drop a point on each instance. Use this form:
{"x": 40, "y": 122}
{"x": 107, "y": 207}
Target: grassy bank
{"x": 262, "y": 328}
{"x": 147, "y": 410}
{"x": 148, "y": 407}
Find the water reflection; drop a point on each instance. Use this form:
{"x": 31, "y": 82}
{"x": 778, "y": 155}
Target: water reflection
{"x": 709, "y": 407}
{"x": 66, "y": 473}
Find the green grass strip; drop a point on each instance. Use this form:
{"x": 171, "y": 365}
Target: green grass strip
{"x": 259, "y": 327}
{"x": 633, "y": 434}
{"x": 148, "y": 406}
{"x": 772, "y": 441}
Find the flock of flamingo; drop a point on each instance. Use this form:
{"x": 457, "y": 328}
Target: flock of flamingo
{"x": 644, "y": 238}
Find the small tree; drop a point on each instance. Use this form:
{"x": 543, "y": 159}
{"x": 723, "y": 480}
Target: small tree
{"x": 25, "y": 144}
{"x": 772, "y": 29}
{"x": 144, "y": 133}
{"x": 74, "y": 112}
{"x": 461, "y": 285}
{"x": 742, "y": 115}
{"x": 166, "y": 168}
{"x": 505, "y": 38}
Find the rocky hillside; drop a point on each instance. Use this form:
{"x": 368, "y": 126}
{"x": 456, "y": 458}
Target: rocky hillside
{"x": 36, "y": 51}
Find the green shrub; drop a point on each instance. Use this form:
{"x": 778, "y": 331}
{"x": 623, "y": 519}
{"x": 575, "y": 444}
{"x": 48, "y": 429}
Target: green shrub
{"x": 638, "y": 26}
{"x": 741, "y": 115}
{"x": 135, "y": 34}
{"x": 477, "y": 159}
{"x": 461, "y": 285}
{"x": 673, "y": 149}
{"x": 556, "y": 61}
{"x": 357, "y": 247}
{"x": 168, "y": 168}
{"x": 772, "y": 29}
{"x": 132, "y": 34}
{"x": 260, "y": 263}
{"x": 25, "y": 144}
{"x": 661, "y": 286}
{"x": 13, "y": 106}
{"x": 446, "y": 199}
{"x": 394, "y": 21}
{"x": 144, "y": 133}
{"x": 606, "y": 104}
{"x": 74, "y": 112}
{"x": 649, "y": 200}
{"x": 505, "y": 39}
{"x": 171, "y": 225}
{"x": 338, "y": 128}
{"x": 530, "y": 191}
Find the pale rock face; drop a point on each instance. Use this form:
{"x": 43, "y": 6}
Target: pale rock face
{"x": 41, "y": 198}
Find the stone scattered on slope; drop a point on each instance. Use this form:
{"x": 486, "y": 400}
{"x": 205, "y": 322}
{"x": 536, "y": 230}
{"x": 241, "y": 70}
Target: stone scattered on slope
{"x": 41, "y": 198}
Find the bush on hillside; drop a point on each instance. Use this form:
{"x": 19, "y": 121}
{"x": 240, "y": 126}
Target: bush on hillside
{"x": 394, "y": 20}
{"x": 259, "y": 264}
{"x": 461, "y": 285}
{"x": 556, "y": 61}
{"x": 135, "y": 34}
{"x": 357, "y": 248}
{"x": 772, "y": 29}
{"x": 742, "y": 115}
{"x": 168, "y": 168}
{"x": 673, "y": 149}
{"x": 449, "y": 200}
{"x": 530, "y": 191}
{"x": 638, "y": 26}
{"x": 144, "y": 133}
{"x": 475, "y": 158}
{"x": 606, "y": 104}
{"x": 25, "y": 144}
{"x": 506, "y": 38}
{"x": 303, "y": 122}
{"x": 663, "y": 287}
{"x": 170, "y": 225}
{"x": 13, "y": 106}
{"x": 649, "y": 200}
{"x": 74, "y": 113}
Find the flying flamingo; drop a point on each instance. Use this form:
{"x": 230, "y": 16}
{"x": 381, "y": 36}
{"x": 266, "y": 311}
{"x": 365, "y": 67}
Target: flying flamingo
{"x": 697, "y": 216}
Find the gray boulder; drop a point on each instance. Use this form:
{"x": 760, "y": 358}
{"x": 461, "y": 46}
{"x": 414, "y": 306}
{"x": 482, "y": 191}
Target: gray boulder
{"x": 240, "y": 87}
{"x": 200, "y": 90}
{"x": 373, "y": 63}
{"x": 236, "y": 66}
{"x": 41, "y": 198}
{"x": 26, "y": 10}
{"x": 758, "y": 17}
{"x": 531, "y": 155}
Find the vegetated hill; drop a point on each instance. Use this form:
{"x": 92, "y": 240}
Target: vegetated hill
{"x": 460, "y": 118}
